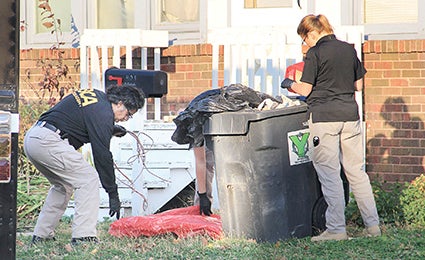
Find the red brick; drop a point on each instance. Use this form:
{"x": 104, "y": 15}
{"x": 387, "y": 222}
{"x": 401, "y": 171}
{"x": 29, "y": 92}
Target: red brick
{"x": 384, "y": 65}
{"x": 410, "y": 73}
{"x": 399, "y": 82}
{"x": 193, "y": 75}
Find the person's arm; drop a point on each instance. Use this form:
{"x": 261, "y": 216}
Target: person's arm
{"x": 201, "y": 170}
{"x": 99, "y": 121}
{"x": 304, "y": 89}
{"x": 201, "y": 180}
{"x": 358, "y": 85}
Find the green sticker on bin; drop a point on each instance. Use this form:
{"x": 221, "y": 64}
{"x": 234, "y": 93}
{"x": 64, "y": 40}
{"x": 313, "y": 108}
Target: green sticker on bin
{"x": 298, "y": 147}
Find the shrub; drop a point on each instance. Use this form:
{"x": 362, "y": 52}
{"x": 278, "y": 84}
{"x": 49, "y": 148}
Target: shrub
{"x": 387, "y": 198}
{"x": 413, "y": 202}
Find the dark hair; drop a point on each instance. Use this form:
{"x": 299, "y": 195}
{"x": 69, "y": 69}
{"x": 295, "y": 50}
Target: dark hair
{"x": 313, "y": 22}
{"x": 131, "y": 97}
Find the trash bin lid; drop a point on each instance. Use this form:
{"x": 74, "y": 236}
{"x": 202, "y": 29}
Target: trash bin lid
{"x": 237, "y": 123}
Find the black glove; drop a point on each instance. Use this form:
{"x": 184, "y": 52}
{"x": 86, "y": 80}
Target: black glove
{"x": 205, "y": 204}
{"x": 287, "y": 83}
{"x": 119, "y": 131}
{"x": 114, "y": 204}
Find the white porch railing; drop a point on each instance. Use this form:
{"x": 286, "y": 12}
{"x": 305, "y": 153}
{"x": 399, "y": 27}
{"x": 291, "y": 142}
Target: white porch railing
{"x": 255, "y": 57}
{"x": 119, "y": 41}
{"x": 258, "y": 56}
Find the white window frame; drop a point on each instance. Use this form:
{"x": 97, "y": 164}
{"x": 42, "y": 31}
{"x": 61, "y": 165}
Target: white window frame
{"x": 395, "y": 31}
{"x": 269, "y": 16}
{"x": 185, "y": 33}
{"x": 30, "y": 39}
{"x": 146, "y": 18}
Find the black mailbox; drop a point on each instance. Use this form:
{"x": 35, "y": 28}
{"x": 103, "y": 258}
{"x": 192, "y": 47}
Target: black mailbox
{"x": 153, "y": 83}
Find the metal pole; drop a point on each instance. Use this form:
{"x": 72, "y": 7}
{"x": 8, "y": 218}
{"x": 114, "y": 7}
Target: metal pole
{"x": 9, "y": 124}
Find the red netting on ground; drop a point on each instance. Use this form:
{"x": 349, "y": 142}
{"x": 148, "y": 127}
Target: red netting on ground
{"x": 184, "y": 222}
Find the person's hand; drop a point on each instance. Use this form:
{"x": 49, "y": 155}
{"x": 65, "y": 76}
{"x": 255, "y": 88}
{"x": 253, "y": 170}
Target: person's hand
{"x": 205, "y": 204}
{"x": 287, "y": 83}
{"x": 119, "y": 131}
{"x": 114, "y": 205}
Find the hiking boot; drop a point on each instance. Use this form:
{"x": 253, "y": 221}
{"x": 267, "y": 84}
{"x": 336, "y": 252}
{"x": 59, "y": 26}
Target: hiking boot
{"x": 79, "y": 240}
{"x": 326, "y": 235}
{"x": 37, "y": 240}
{"x": 373, "y": 231}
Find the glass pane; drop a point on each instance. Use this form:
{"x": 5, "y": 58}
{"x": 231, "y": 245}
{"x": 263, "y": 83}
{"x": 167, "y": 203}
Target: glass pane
{"x": 267, "y": 3}
{"x": 384, "y": 11}
{"x": 115, "y": 14}
{"x": 60, "y": 9}
{"x": 179, "y": 11}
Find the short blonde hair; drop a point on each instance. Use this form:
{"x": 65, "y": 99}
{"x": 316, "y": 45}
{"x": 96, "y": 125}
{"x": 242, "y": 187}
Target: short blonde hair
{"x": 312, "y": 22}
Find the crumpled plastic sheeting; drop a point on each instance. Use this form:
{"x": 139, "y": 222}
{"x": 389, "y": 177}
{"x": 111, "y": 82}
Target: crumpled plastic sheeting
{"x": 184, "y": 222}
{"x": 234, "y": 97}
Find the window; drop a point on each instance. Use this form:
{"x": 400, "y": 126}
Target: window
{"x": 115, "y": 14}
{"x": 185, "y": 20}
{"x": 179, "y": 11}
{"x": 60, "y": 9}
{"x": 36, "y": 35}
{"x": 393, "y": 19}
{"x": 379, "y": 11}
{"x": 267, "y": 3}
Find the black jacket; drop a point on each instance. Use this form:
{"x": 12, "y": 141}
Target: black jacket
{"x": 86, "y": 116}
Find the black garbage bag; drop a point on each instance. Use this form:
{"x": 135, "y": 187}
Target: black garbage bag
{"x": 234, "y": 97}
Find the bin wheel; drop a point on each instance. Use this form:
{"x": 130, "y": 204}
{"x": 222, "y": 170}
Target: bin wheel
{"x": 318, "y": 216}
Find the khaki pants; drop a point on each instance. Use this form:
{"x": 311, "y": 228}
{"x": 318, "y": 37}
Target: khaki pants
{"x": 68, "y": 173}
{"x": 341, "y": 143}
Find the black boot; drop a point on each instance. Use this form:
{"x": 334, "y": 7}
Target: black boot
{"x": 37, "y": 240}
{"x": 76, "y": 241}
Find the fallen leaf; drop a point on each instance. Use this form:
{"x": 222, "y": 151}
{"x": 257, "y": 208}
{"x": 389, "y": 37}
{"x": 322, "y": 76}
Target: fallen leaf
{"x": 68, "y": 248}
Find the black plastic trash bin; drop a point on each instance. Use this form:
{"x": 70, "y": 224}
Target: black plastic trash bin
{"x": 267, "y": 185}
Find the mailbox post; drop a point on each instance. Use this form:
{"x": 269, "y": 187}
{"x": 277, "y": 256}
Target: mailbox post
{"x": 9, "y": 124}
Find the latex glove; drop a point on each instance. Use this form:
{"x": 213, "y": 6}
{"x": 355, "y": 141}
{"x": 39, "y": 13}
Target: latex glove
{"x": 205, "y": 204}
{"x": 287, "y": 83}
{"x": 119, "y": 131}
{"x": 114, "y": 205}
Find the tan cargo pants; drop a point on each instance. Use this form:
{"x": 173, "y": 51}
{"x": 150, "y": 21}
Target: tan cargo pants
{"x": 341, "y": 143}
{"x": 69, "y": 174}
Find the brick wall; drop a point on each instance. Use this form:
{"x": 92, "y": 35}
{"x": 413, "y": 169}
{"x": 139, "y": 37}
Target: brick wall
{"x": 394, "y": 108}
{"x": 42, "y": 69}
{"x": 190, "y": 74}
{"x": 188, "y": 66}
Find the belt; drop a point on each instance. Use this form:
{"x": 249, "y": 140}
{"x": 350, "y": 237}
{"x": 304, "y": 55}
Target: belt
{"x": 48, "y": 126}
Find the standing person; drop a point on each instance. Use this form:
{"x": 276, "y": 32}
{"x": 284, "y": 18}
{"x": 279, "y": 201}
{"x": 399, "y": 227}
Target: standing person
{"x": 85, "y": 116}
{"x": 332, "y": 73}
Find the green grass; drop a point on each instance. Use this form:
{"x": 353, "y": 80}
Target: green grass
{"x": 396, "y": 243}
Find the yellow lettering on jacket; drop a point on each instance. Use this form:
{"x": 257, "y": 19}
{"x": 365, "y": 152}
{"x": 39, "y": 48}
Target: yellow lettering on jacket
{"x": 85, "y": 97}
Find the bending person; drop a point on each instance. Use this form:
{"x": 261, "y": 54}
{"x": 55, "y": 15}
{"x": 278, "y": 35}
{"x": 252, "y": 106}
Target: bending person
{"x": 85, "y": 116}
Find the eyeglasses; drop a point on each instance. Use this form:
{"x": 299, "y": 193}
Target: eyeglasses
{"x": 303, "y": 42}
{"x": 129, "y": 115}
{"x": 305, "y": 37}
